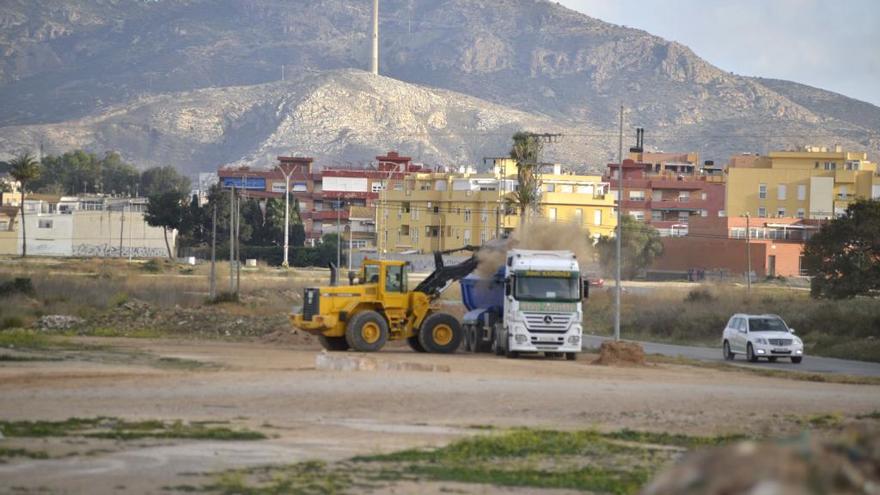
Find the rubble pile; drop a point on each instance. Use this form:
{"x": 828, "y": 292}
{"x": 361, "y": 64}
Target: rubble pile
{"x": 846, "y": 464}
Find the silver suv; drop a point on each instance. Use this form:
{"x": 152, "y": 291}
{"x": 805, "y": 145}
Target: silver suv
{"x": 761, "y": 336}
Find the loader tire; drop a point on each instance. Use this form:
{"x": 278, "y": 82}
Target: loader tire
{"x": 440, "y": 333}
{"x": 367, "y": 331}
{"x": 414, "y": 344}
{"x": 333, "y": 344}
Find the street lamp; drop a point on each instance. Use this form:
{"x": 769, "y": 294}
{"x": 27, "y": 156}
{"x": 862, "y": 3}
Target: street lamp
{"x": 286, "y": 171}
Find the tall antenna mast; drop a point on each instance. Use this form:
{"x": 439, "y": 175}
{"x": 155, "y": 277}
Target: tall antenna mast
{"x": 375, "y": 60}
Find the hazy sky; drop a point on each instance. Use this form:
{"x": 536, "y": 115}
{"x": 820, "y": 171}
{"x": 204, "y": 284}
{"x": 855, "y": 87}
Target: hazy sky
{"x": 829, "y": 44}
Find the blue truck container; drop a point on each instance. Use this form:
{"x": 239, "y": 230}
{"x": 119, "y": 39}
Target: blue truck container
{"x": 484, "y": 300}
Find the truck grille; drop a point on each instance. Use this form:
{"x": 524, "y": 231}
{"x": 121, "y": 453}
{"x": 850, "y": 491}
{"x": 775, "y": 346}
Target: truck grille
{"x": 779, "y": 341}
{"x": 547, "y": 322}
{"x": 311, "y": 303}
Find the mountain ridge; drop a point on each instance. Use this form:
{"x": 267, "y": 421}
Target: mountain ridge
{"x": 63, "y": 61}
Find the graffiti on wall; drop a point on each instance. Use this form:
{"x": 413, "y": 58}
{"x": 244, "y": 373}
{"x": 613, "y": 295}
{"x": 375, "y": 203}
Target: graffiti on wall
{"x": 109, "y": 251}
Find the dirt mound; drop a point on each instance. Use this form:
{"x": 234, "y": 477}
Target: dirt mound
{"x": 848, "y": 464}
{"x": 621, "y": 354}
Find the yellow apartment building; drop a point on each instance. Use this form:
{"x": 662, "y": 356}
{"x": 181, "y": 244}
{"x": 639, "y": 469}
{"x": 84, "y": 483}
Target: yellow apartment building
{"x": 439, "y": 211}
{"x": 813, "y": 183}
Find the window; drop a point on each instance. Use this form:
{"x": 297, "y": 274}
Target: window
{"x": 44, "y": 224}
{"x": 467, "y": 236}
{"x": 415, "y": 236}
{"x": 762, "y": 212}
{"x": 802, "y": 192}
{"x": 781, "y": 191}
{"x": 551, "y": 187}
{"x": 551, "y": 214}
{"x": 843, "y": 192}
{"x": 638, "y": 215}
{"x": 376, "y": 187}
{"x": 579, "y": 215}
{"x": 704, "y": 213}
{"x": 780, "y": 212}
{"x": 722, "y": 213}
{"x": 683, "y": 216}
{"x": 762, "y": 191}
{"x": 395, "y": 279}
{"x": 738, "y": 233}
{"x": 467, "y": 214}
{"x": 830, "y": 166}
{"x": 566, "y": 188}
{"x": 404, "y": 207}
{"x": 800, "y": 213}
{"x": 637, "y": 195}
{"x": 4, "y": 225}
{"x": 597, "y": 217}
{"x": 684, "y": 196}
{"x": 484, "y": 237}
{"x": 404, "y": 230}
{"x": 703, "y": 196}
{"x": 484, "y": 216}
{"x": 414, "y": 213}
{"x": 657, "y": 215}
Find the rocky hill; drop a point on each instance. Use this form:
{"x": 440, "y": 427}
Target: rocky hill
{"x": 197, "y": 83}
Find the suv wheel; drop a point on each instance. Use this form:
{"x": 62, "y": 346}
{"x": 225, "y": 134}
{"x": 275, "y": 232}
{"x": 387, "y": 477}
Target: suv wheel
{"x": 728, "y": 355}
{"x": 797, "y": 359}
{"x": 750, "y": 354}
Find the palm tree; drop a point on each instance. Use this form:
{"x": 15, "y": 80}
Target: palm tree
{"x": 24, "y": 169}
{"x": 526, "y": 148}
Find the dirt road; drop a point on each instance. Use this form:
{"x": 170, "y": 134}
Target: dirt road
{"x": 311, "y": 414}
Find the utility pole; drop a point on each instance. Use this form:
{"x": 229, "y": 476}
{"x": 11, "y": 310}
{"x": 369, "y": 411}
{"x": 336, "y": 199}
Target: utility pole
{"x": 338, "y": 234}
{"x": 374, "y": 66}
{"x": 121, "y": 228}
{"x": 617, "y": 291}
{"x": 214, "y": 254}
{"x": 130, "y": 248}
{"x": 231, "y": 239}
{"x": 238, "y": 244}
{"x": 749, "y": 253}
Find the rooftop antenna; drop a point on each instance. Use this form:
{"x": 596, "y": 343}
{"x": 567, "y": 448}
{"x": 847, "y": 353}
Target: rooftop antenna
{"x": 375, "y": 58}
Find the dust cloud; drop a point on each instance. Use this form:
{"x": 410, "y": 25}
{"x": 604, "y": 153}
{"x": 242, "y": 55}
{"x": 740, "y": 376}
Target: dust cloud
{"x": 537, "y": 234}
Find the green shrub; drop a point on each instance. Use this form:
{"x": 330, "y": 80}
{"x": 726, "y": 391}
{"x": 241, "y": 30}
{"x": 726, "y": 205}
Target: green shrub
{"x": 700, "y": 294}
{"x": 11, "y": 322}
{"x": 152, "y": 266}
{"x": 18, "y": 285}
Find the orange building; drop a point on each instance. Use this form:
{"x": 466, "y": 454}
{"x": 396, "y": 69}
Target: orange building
{"x": 722, "y": 245}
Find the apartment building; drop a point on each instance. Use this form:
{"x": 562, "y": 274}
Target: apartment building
{"x": 428, "y": 212}
{"x": 813, "y": 183}
{"x": 667, "y": 190}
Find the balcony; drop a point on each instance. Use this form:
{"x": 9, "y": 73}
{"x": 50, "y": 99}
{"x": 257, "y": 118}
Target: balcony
{"x": 845, "y": 176}
{"x": 329, "y": 215}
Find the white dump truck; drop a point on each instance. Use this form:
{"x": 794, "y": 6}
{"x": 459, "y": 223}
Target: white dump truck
{"x": 531, "y": 304}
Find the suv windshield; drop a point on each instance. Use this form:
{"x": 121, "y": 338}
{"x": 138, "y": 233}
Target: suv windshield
{"x": 766, "y": 325}
{"x": 547, "y": 289}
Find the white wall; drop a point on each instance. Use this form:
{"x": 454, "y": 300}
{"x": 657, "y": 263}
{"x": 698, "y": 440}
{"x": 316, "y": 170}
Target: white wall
{"x": 348, "y": 184}
{"x": 52, "y": 241}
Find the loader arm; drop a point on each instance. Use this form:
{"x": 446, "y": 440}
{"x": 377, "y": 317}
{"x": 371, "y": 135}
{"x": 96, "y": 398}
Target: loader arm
{"x": 442, "y": 276}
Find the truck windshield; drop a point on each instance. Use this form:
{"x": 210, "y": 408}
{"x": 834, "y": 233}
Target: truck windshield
{"x": 547, "y": 289}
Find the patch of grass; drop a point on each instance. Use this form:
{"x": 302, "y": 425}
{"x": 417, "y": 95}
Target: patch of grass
{"x": 18, "y": 285}
{"x": 11, "y": 322}
{"x": 119, "y": 299}
{"x": 224, "y": 297}
{"x": 23, "y": 339}
{"x": 6, "y": 452}
{"x": 135, "y": 333}
{"x": 870, "y": 415}
{"x": 593, "y": 479}
{"x": 674, "y": 439}
{"x": 305, "y": 478}
{"x": 113, "y": 428}
{"x": 827, "y": 420}
{"x": 152, "y": 266}
{"x": 184, "y": 364}
{"x": 25, "y": 359}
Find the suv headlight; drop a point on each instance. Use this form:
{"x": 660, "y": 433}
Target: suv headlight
{"x": 761, "y": 340}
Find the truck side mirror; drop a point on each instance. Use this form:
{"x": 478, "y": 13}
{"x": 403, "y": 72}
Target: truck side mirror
{"x": 586, "y": 289}
{"x": 508, "y": 287}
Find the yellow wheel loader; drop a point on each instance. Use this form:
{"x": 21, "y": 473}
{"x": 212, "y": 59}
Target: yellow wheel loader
{"x": 380, "y": 307}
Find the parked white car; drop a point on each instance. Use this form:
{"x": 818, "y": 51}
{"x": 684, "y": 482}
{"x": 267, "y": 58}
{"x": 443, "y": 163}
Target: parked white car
{"x": 761, "y": 336}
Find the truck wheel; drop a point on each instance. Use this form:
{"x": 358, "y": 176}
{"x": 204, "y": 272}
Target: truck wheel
{"x": 510, "y": 354}
{"x": 414, "y": 344}
{"x": 496, "y": 343}
{"x": 440, "y": 333}
{"x": 333, "y": 344}
{"x": 571, "y": 356}
{"x": 367, "y": 331}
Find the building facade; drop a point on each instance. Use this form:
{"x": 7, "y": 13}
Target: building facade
{"x": 725, "y": 245}
{"x": 91, "y": 227}
{"x": 815, "y": 183}
{"x": 667, "y": 190}
{"x": 429, "y": 212}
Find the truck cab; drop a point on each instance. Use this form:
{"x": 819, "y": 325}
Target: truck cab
{"x": 542, "y": 304}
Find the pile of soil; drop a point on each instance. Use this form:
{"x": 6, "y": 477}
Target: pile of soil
{"x": 621, "y": 354}
{"x": 846, "y": 464}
